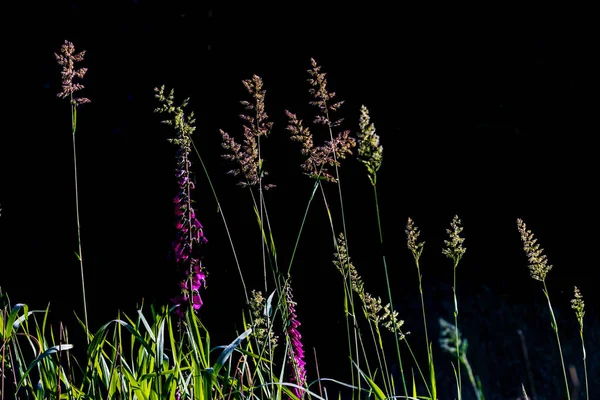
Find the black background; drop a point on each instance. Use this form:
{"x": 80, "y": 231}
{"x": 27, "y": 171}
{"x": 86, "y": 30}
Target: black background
{"x": 484, "y": 113}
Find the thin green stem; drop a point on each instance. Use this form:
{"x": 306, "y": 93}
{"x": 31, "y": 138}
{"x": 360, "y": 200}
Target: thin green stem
{"x": 389, "y": 290}
{"x": 2, "y": 376}
{"x": 261, "y": 212}
{"x": 220, "y": 209}
{"x": 343, "y": 215}
{"x": 273, "y": 249}
{"x": 349, "y": 334}
{"x": 456, "y": 331}
{"x": 587, "y": 390}
{"x": 464, "y": 361}
{"x": 261, "y": 205}
{"x": 222, "y": 213}
{"x": 262, "y": 216}
{"x": 79, "y": 252}
{"x": 429, "y": 355}
{"x": 555, "y": 329}
{"x": 381, "y": 358}
{"x": 416, "y": 363}
{"x": 348, "y": 295}
{"x": 422, "y": 303}
{"x": 312, "y": 195}
{"x": 262, "y": 241}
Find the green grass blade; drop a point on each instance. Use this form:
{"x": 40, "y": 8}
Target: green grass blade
{"x": 414, "y": 384}
{"x": 432, "y": 373}
{"x": 376, "y": 389}
{"x": 146, "y": 325}
{"x": 226, "y": 353}
{"x": 41, "y": 357}
{"x": 13, "y": 321}
{"x": 267, "y": 310}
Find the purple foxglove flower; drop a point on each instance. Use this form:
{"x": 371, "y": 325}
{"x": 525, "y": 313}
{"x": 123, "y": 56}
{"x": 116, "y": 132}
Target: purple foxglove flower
{"x": 198, "y": 281}
{"x": 296, "y": 359}
{"x": 196, "y": 302}
{"x": 189, "y": 231}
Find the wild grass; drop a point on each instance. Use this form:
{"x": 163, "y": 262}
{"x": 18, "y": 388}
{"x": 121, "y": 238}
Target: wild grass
{"x": 166, "y": 352}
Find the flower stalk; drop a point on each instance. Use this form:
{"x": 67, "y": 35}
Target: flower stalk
{"x": 67, "y": 59}
{"x": 539, "y": 268}
{"x": 190, "y": 231}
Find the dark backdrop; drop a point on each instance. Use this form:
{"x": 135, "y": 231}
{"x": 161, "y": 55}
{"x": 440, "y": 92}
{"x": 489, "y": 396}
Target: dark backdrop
{"x": 484, "y": 113}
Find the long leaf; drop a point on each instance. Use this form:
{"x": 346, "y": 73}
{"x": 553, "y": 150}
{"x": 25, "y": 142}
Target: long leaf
{"x": 12, "y": 317}
{"x": 49, "y": 352}
{"x": 267, "y": 309}
{"x": 228, "y": 350}
{"x": 376, "y": 389}
{"x": 432, "y": 373}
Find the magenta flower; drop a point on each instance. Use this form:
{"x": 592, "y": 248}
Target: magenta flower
{"x": 191, "y": 285}
{"x": 189, "y": 232}
{"x": 296, "y": 359}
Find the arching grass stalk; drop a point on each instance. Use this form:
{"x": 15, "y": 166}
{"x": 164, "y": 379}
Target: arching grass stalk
{"x": 267, "y": 241}
{"x": 455, "y": 250}
{"x": 67, "y": 59}
{"x": 539, "y": 268}
{"x": 370, "y": 153}
{"x": 302, "y": 223}
{"x": 579, "y": 306}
